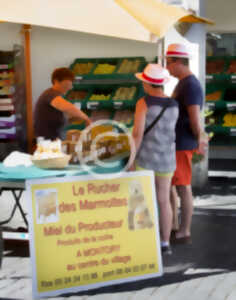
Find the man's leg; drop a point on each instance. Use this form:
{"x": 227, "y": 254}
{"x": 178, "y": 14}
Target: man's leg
{"x": 174, "y": 205}
{"x": 182, "y": 180}
{"x": 186, "y": 198}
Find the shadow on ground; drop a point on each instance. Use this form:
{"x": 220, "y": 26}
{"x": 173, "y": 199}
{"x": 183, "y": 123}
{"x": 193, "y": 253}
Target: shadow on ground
{"x": 213, "y": 248}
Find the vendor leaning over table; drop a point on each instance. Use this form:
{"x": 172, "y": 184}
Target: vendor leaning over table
{"x": 50, "y": 108}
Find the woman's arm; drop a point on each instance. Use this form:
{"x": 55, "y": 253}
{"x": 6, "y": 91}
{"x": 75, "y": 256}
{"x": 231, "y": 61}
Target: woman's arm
{"x": 70, "y": 109}
{"x": 139, "y": 125}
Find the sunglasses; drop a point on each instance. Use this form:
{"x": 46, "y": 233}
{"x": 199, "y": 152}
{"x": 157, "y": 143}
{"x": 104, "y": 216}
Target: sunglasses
{"x": 169, "y": 62}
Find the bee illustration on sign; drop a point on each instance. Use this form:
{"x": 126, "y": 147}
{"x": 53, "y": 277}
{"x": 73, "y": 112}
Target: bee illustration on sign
{"x": 138, "y": 213}
{"x": 46, "y": 206}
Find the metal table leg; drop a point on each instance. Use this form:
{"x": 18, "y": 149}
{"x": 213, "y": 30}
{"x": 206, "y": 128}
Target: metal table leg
{"x": 17, "y": 204}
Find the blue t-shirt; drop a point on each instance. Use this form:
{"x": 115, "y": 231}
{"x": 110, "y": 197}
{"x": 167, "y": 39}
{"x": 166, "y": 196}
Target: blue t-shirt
{"x": 187, "y": 92}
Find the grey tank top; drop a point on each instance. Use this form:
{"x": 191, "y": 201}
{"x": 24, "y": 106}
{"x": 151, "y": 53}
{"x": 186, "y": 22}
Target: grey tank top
{"x": 157, "y": 150}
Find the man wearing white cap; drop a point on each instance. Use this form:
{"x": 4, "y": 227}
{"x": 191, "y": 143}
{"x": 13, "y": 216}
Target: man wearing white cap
{"x": 154, "y": 137}
{"x": 188, "y": 93}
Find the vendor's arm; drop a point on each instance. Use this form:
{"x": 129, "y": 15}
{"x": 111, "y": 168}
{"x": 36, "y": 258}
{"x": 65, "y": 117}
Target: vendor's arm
{"x": 70, "y": 109}
{"x": 139, "y": 125}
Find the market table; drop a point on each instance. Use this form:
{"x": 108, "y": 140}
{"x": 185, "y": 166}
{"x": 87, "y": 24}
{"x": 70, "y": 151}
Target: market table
{"x": 13, "y": 179}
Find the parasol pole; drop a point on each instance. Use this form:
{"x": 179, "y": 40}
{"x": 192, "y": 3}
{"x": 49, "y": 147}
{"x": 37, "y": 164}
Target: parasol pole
{"x": 29, "y": 111}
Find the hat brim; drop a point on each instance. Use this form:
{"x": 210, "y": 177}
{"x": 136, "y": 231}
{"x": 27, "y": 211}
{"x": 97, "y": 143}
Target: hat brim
{"x": 179, "y": 56}
{"x": 140, "y": 77}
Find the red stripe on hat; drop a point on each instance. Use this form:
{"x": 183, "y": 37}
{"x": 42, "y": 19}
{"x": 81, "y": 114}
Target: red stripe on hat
{"x": 152, "y": 79}
{"x": 176, "y": 53}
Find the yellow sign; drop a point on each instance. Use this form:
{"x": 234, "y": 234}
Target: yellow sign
{"x": 88, "y": 233}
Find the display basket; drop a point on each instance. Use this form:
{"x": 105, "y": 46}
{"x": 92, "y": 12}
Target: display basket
{"x": 52, "y": 163}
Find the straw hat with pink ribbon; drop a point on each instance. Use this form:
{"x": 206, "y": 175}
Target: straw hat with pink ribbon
{"x": 154, "y": 74}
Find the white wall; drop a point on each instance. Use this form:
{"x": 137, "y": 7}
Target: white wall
{"x": 9, "y": 35}
{"x": 52, "y": 48}
{"x": 223, "y": 14}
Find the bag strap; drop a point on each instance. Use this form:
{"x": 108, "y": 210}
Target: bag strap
{"x": 156, "y": 120}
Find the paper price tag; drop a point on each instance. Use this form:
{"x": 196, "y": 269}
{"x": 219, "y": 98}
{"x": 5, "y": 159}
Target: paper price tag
{"x": 211, "y": 105}
{"x": 118, "y": 104}
{"x": 231, "y": 106}
{"x": 2, "y": 67}
{"x": 209, "y": 77}
{"x": 92, "y": 105}
{"x": 233, "y": 131}
{"x": 78, "y": 105}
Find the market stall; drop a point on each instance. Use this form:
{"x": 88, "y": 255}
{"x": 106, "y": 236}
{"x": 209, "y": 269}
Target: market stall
{"x": 221, "y": 95}
{"x": 123, "y": 19}
{"x": 101, "y": 84}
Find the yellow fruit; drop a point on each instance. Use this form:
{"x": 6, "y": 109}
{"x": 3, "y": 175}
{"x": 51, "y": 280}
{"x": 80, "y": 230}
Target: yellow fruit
{"x": 104, "y": 69}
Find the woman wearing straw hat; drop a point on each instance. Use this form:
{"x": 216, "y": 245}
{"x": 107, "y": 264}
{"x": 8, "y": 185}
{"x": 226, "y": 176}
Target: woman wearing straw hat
{"x": 189, "y": 138}
{"x": 154, "y": 137}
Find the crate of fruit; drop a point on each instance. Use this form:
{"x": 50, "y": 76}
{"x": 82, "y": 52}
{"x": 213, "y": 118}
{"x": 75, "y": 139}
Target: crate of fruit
{"x": 229, "y": 93}
{"x": 100, "y": 97}
{"x": 107, "y": 68}
{"x": 126, "y": 95}
{"x": 125, "y": 117}
{"x": 216, "y": 68}
{"x": 215, "y": 92}
{"x": 83, "y": 67}
{"x": 216, "y": 64}
{"x": 79, "y": 95}
{"x": 128, "y": 66}
{"x": 94, "y": 68}
{"x": 230, "y": 67}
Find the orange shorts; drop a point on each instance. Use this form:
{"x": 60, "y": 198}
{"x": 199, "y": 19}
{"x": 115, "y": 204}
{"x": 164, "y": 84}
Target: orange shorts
{"x": 183, "y": 172}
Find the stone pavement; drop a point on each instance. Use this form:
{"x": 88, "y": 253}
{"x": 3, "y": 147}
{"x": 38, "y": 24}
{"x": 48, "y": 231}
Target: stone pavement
{"x": 15, "y": 283}
{"x": 204, "y": 270}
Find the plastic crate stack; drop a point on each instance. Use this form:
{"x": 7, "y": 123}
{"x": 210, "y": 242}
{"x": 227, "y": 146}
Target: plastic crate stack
{"x": 106, "y": 88}
{"x": 7, "y": 111}
{"x": 221, "y": 99}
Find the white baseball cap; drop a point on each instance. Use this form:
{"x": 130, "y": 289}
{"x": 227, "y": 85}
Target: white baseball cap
{"x": 154, "y": 74}
{"x": 178, "y": 50}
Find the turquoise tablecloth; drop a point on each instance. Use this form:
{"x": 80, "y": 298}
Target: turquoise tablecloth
{"x": 22, "y": 173}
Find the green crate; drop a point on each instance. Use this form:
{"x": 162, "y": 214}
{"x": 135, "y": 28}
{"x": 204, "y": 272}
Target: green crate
{"x": 83, "y": 61}
{"x": 111, "y": 104}
{"x": 128, "y": 103}
{"x": 80, "y": 87}
{"x": 109, "y": 111}
{"x": 131, "y": 123}
{"x": 102, "y": 89}
{"x": 225, "y": 97}
{"x": 218, "y": 129}
{"x": 81, "y": 102}
{"x": 96, "y": 61}
{"x": 223, "y": 140}
{"x": 75, "y": 126}
{"x": 217, "y": 58}
{"x": 211, "y": 88}
{"x": 117, "y": 61}
{"x": 114, "y": 61}
{"x": 139, "y": 69}
{"x": 229, "y": 59}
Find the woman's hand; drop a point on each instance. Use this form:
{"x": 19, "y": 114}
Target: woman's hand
{"x": 132, "y": 167}
{"x": 88, "y": 122}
